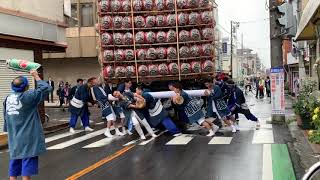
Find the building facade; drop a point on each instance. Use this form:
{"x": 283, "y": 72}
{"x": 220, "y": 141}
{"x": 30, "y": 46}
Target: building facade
{"x": 308, "y": 36}
{"x": 27, "y": 29}
{"x": 80, "y": 60}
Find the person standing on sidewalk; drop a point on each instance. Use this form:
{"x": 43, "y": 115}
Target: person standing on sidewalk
{"x": 22, "y": 122}
{"x": 79, "y": 105}
{"x": 268, "y": 86}
{"x": 50, "y": 96}
{"x": 261, "y": 88}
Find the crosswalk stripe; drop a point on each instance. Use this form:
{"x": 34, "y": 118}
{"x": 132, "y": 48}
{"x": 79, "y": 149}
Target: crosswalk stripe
{"x": 181, "y": 140}
{"x": 77, "y": 140}
{"x": 149, "y": 140}
{"x": 137, "y": 140}
{"x": 60, "y": 136}
{"x": 99, "y": 123}
{"x": 266, "y": 126}
{"x": 220, "y": 140}
{"x": 263, "y": 136}
{"x": 102, "y": 142}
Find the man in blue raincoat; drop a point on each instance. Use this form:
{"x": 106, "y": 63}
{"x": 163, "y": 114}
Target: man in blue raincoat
{"x": 22, "y": 122}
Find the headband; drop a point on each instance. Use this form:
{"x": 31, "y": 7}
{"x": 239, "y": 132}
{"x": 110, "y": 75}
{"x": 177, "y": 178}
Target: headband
{"x": 22, "y": 86}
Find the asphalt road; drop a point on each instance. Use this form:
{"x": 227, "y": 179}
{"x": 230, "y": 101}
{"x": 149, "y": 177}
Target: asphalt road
{"x": 249, "y": 154}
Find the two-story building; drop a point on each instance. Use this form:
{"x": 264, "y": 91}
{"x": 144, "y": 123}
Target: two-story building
{"x": 27, "y": 29}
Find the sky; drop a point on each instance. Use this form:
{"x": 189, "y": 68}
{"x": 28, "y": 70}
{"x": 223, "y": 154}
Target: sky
{"x": 254, "y": 24}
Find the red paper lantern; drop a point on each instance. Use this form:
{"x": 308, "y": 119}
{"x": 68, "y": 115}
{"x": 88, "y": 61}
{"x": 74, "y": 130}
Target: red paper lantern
{"x": 108, "y": 72}
{"x": 163, "y": 69}
{"x": 161, "y": 20}
{"x": 185, "y": 68}
{"x": 141, "y": 54}
{"x": 153, "y": 70}
{"x": 108, "y": 55}
{"x": 120, "y": 71}
{"x": 161, "y": 37}
{"x": 119, "y": 55}
{"x": 130, "y": 71}
{"x": 126, "y": 22}
{"x": 173, "y": 68}
{"x": 143, "y": 70}
{"x": 172, "y": 53}
{"x": 208, "y": 66}
{"x": 196, "y": 66}
{"x": 151, "y": 54}
{"x": 129, "y": 54}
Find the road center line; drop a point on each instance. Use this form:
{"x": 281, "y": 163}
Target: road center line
{"x": 100, "y": 163}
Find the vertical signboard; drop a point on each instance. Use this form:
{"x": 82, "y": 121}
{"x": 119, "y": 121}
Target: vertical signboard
{"x": 277, "y": 91}
{"x": 67, "y": 7}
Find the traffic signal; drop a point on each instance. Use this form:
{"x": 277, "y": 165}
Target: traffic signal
{"x": 287, "y": 20}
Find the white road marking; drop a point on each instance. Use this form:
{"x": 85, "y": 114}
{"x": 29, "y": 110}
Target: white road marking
{"x": 138, "y": 140}
{"x": 266, "y": 126}
{"x": 267, "y": 173}
{"x": 60, "y": 136}
{"x": 181, "y": 140}
{"x": 99, "y": 123}
{"x": 220, "y": 140}
{"x": 149, "y": 140}
{"x": 263, "y": 136}
{"x": 102, "y": 142}
{"x": 77, "y": 140}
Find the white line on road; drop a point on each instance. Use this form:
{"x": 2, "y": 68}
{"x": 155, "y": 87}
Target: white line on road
{"x": 267, "y": 173}
{"x": 181, "y": 140}
{"x": 77, "y": 140}
{"x": 149, "y": 140}
{"x": 221, "y": 140}
{"x": 263, "y": 136}
{"x": 60, "y": 136}
{"x": 138, "y": 140}
{"x": 102, "y": 142}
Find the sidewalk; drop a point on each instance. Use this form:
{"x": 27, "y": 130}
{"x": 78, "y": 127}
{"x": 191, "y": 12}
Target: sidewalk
{"x": 302, "y": 154}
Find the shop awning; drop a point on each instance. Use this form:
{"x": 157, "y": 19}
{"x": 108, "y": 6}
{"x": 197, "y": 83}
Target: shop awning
{"x": 310, "y": 16}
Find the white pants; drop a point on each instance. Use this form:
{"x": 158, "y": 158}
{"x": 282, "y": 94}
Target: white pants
{"x": 136, "y": 121}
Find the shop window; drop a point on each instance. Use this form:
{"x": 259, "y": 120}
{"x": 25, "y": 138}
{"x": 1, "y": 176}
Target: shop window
{"x": 86, "y": 14}
{"x": 74, "y": 20}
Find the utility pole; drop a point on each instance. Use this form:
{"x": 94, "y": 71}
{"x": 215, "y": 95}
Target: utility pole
{"x": 231, "y": 54}
{"x": 275, "y": 45}
{"x": 242, "y": 57}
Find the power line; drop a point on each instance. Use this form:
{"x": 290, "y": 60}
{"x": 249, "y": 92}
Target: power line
{"x": 224, "y": 29}
{"x": 254, "y": 21}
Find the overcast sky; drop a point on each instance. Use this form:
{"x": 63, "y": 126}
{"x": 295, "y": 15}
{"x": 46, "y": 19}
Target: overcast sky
{"x": 255, "y": 26}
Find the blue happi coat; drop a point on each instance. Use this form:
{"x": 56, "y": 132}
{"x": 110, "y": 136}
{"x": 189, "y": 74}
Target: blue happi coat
{"x": 216, "y": 96}
{"x": 79, "y": 103}
{"x": 191, "y": 108}
{"x": 154, "y": 109}
{"x": 23, "y": 124}
{"x": 128, "y": 98}
{"x": 102, "y": 98}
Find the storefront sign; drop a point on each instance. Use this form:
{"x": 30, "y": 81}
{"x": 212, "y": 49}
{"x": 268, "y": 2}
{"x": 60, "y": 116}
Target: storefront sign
{"x": 277, "y": 91}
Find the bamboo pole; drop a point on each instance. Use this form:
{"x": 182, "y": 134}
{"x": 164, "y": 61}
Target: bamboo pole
{"x": 134, "y": 42}
{"x": 177, "y": 32}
